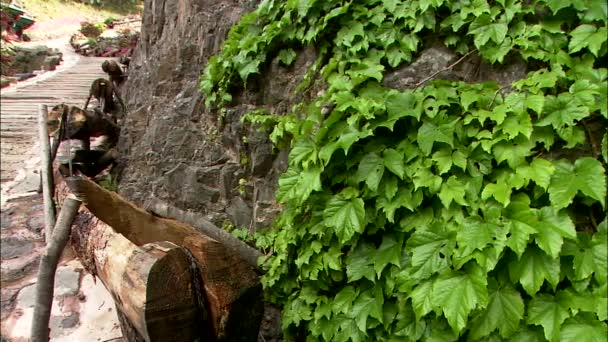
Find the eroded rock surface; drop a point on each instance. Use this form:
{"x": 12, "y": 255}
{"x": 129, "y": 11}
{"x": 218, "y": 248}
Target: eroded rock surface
{"x": 173, "y": 147}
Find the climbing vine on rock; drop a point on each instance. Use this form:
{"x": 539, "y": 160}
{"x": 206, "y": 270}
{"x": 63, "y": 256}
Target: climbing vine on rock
{"x": 453, "y": 210}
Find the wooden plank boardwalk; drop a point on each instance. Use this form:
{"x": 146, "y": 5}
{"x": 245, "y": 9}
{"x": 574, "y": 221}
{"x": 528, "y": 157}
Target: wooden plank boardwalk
{"x": 19, "y": 110}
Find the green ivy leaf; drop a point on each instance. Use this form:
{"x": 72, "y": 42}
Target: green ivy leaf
{"x": 475, "y": 234}
{"x": 501, "y": 191}
{"x": 306, "y": 252}
{"x": 454, "y": 190}
{"x": 586, "y": 175}
{"x": 582, "y": 251}
{"x": 402, "y": 104}
{"x": 368, "y": 304}
{"x": 587, "y": 36}
{"x": 535, "y": 102}
{"x": 407, "y": 325}
{"x": 484, "y": 29}
{"x": 522, "y": 221}
{"x": 345, "y": 215}
{"x": 540, "y": 171}
{"x": 460, "y": 159}
{"x": 332, "y": 259}
{"x": 430, "y": 250}
{"x": 304, "y": 152}
{"x": 348, "y": 33}
{"x": 548, "y": 312}
{"x": 438, "y": 330}
{"x": 365, "y": 70}
{"x": 346, "y": 137}
{"x": 581, "y": 329}
{"x": 371, "y": 169}
{"x": 516, "y": 124}
{"x": 458, "y": 293}
{"x": 556, "y": 5}
{"x": 562, "y": 111}
{"x": 600, "y": 253}
{"x": 394, "y": 161}
{"x": 359, "y": 264}
{"x": 504, "y": 312}
{"x": 344, "y": 299}
{"x": 429, "y": 133}
{"x": 552, "y": 227}
{"x": 421, "y": 298}
{"x": 296, "y": 185}
{"x": 443, "y": 159}
{"x": 533, "y": 268}
{"x": 389, "y": 252}
{"x": 528, "y": 333}
{"x": 287, "y": 56}
{"x": 396, "y": 56}
{"x": 514, "y": 152}
{"x": 424, "y": 178}
{"x": 249, "y": 68}
{"x": 498, "y": 115}
{"x": 405, "y": 198}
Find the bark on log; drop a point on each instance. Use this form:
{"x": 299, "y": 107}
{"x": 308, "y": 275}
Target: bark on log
{"x": 46, "y": 173}
{"x": 231, "y": 285}
{"x": 156, "y": 286}
{"x": 163, "y": 209}
{"x": 46, "y": 272}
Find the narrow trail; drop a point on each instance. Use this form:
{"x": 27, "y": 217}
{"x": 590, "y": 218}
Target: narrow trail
{"x": 82, "y": 310}
{"x": 19, "y": 108}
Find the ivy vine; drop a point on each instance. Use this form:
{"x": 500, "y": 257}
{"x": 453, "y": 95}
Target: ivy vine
{"x": 450, "y": 211}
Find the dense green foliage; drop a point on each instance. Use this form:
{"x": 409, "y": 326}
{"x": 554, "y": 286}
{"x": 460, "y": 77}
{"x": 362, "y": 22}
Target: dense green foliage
{"x": 449, "y": 210}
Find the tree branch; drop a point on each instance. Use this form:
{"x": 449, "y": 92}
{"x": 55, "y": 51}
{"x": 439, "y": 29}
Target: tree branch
{"x": 47, "y": 268}
{"x": 46, "y": 173}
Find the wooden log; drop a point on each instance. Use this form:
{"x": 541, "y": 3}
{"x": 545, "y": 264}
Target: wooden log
{"x": 46, "y": 173}
{"x": 163, "y": 209}
{"x": 231, "y": 285}
{"x": 156, "y": 287}
{"x": 46, "y": 272}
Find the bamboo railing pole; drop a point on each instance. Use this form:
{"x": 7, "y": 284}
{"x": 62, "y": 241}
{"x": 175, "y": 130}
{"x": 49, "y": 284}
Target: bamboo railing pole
{"x": 46, "y": 271}
{"x": 46, "y": 171}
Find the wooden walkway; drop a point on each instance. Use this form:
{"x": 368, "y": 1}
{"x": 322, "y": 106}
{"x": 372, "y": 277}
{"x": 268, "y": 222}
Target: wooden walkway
{"x": 19, "y": 108}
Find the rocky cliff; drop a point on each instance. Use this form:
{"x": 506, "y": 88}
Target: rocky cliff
{"x": 177, "y": 150}
{"x": 197, "y": 159}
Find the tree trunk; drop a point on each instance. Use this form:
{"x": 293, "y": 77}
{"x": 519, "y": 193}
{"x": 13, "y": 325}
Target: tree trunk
{"x": 156, "y": 287}
{"x": 231, "y": 285}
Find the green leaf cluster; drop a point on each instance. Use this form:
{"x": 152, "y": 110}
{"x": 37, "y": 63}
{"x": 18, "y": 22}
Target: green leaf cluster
{"x": 444, "y": 212}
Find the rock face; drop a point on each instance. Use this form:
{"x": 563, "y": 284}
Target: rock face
{"x": 175, "y": 149}
{"x": 196, "y": 159}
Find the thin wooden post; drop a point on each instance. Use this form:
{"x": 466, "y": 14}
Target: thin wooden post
{"x": 46, "y": 271}
{"x": 46, "y": 172}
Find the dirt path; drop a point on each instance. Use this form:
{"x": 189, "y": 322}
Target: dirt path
{"x": 82, "y": 308}
{"x": 18, "y": 112}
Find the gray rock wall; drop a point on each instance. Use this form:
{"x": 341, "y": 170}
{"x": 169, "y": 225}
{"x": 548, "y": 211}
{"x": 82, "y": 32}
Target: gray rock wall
{"x": 175, "y": 149}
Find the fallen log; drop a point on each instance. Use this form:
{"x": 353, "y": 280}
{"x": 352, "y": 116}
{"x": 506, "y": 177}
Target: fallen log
{"x": 156, "y": 287}
{"x": 163, "y": 209}
{"x": 231, "y": 286}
